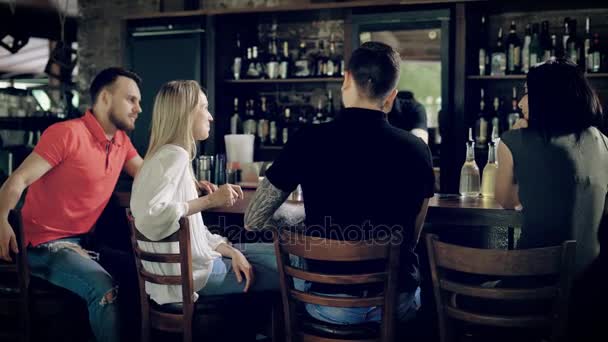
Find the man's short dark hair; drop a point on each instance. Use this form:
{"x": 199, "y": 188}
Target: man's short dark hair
{"x": 107, "y": 77}
{"x": 375, "y": 69}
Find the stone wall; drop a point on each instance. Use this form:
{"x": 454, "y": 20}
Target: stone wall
{"x": 101, "y": 35}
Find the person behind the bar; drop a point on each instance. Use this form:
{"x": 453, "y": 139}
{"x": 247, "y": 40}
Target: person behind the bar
{"x": 555, "y": 163}
{"x": 165, "y": 190}
{"x": 555, "y": 166}
{"x": 409, "y": 114}
{"x": 71, "y": 175}
{"x": 358, "y": 174}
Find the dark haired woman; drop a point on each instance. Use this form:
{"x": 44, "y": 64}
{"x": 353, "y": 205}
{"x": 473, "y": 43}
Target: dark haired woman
{"x": 556, "y": 165}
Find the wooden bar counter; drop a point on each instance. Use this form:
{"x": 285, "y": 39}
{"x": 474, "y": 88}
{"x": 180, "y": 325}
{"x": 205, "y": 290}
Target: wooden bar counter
{"x": 443, "y": 210}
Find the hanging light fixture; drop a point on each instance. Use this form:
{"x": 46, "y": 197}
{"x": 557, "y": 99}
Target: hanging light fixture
{"x": 62, "y": 55}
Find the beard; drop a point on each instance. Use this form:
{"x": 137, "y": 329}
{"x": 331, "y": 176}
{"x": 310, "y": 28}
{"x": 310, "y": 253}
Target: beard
{"x": 122, "y": 124}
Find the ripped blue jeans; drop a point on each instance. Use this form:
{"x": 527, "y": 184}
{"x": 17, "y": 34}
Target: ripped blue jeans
{"x": 66, "y": 264}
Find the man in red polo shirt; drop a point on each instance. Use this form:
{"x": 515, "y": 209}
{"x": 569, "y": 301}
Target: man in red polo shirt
{"x": 71, "y": 175}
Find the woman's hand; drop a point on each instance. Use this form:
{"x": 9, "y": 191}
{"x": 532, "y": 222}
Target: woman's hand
{"x": 207, "y": 187}
{"x": 242, "y": 268}
{"x": 520, "y": 123}
{"x": 225, "y": 195}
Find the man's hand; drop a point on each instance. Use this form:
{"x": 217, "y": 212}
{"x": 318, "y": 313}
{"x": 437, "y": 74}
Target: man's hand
{"x": 226, "y": 195}
{"x": 241, "y": 265}
{"x": 207, "y": 187}
{"x": 8, "y": 242}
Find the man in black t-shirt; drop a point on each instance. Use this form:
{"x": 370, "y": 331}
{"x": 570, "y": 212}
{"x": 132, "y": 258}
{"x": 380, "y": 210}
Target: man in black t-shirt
{"x": 409, "y": 114}
{"x": 358, "y": 175}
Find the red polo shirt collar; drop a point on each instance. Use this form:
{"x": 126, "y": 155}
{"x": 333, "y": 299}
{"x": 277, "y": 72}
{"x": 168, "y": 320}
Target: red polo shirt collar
{"x": 97, "y": 131}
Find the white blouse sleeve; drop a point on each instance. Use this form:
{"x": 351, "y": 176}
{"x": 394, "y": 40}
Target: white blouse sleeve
{"x": 215, "y": 240}
{"x": 152, "y": 200}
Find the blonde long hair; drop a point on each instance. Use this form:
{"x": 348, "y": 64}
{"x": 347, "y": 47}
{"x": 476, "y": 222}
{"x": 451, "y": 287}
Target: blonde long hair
{"x": 172, "y": 118}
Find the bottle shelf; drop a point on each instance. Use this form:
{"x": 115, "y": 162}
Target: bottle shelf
{"x": 267, "y": 147}
{"x": 287, "y": 80}
{"x": 523, "y": 77}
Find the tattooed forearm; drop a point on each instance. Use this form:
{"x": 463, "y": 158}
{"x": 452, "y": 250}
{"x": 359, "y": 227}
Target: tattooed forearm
{"x": 265, "y": 202}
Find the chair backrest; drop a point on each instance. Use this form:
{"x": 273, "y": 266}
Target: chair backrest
{"x": 14, "y": 282}
{"x": 150, "y": 316}
{"x": 556, "y": 262}
{"x": 288, "y": 242}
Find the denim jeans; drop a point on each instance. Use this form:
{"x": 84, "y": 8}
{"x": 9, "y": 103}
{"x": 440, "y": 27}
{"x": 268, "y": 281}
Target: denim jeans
{"x": 66, "y": 264}
{"x": 262, "y": 258}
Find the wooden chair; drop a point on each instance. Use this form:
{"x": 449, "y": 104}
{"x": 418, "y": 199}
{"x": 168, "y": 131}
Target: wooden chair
{"x": 302, "y": 327}
{"x": 14, "y": 289}
{"x": 550, "y": 263}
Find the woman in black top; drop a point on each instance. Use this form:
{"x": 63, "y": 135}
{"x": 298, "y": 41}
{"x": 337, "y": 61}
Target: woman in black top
{"x": 555, "y": 165}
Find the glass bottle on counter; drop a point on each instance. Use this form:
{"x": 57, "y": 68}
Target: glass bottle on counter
{"x": 469, "y": 174}
{"x": 483, "y": 48}
{"x": 272, "y": 65}
{"x": 513, "y": 51}
{"x": 489, "y": 173}
{"x": 263, "y": 123}
{"x": 257, "y": 62}
{"x": 235, "y": 119}
{"x": 285, "y": 62}
{"x": 252, "y": 71}
{"x": 481, "y": 125}
{"x": 499, "y": 57}
{"x": 249, "y": 124}
{"x": 565, "y": 37}
{"x": 595, "y": 54}
{"x": 545, "y": 41}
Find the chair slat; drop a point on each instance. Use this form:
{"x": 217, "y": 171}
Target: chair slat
{"x": 355, "y": 302}
{"x": 546, "y": 292}
{"x": 160, "y": 279}
{"x": 499, "y": 321}
{"x": 158, "y": 257}
{"x": 171, "y": 238}
{"x": 365, "y": 278}
{"x": 316, "y": 248}
{"x": 166, "y": 321}
{"x": 525, "y": 262}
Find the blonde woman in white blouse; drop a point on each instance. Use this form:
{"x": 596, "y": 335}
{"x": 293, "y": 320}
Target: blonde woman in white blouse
{"x": 165, "y": 190}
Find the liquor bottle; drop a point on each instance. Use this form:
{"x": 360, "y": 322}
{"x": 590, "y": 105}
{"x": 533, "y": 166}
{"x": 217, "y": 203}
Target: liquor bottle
{"x": 545, "y": 41}
{"x": 252, "y": 70}
{"x": 249, "y": 124}
{"x": 272, "y": 65}
{"x": 285, "y": 62}
{"x": 321, "y": 60}
{"x": 481, "y": 125}
{"x": 273, "y": 132}
{"x": 237, "y": 62}
{"x": 514, "y": 115}
{"x": 263, "y": 124}
{"x": 513, "y": 51}
{"x": 525, "y": 50}
{"x": 573, "y": 48}
{"x": 554, "y": 50}
{"x": 330, "y": 106}
{"x": 319, "y": 116}
{"x": 286, "y": 126}
{"x": 499, "y": 56}
{"x": 488, "y": 179}
{"x": 257, "y": 62}
{"x": 495, "y": 119}
{"x": 536, "y": 51}
{"x": 302, "y": 67}
{"x": 235, "y": 119}
{"x": 483, "y": 48}
{"x": 565, "y": 38}
{"x": 469, "y": 173}
{"x": 595, "y": 54}
{"x": 587, "y": 46}
{"x": 333, "y": 62}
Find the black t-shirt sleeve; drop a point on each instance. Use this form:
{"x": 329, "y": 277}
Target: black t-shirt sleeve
{"x": 285, "y": 172}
